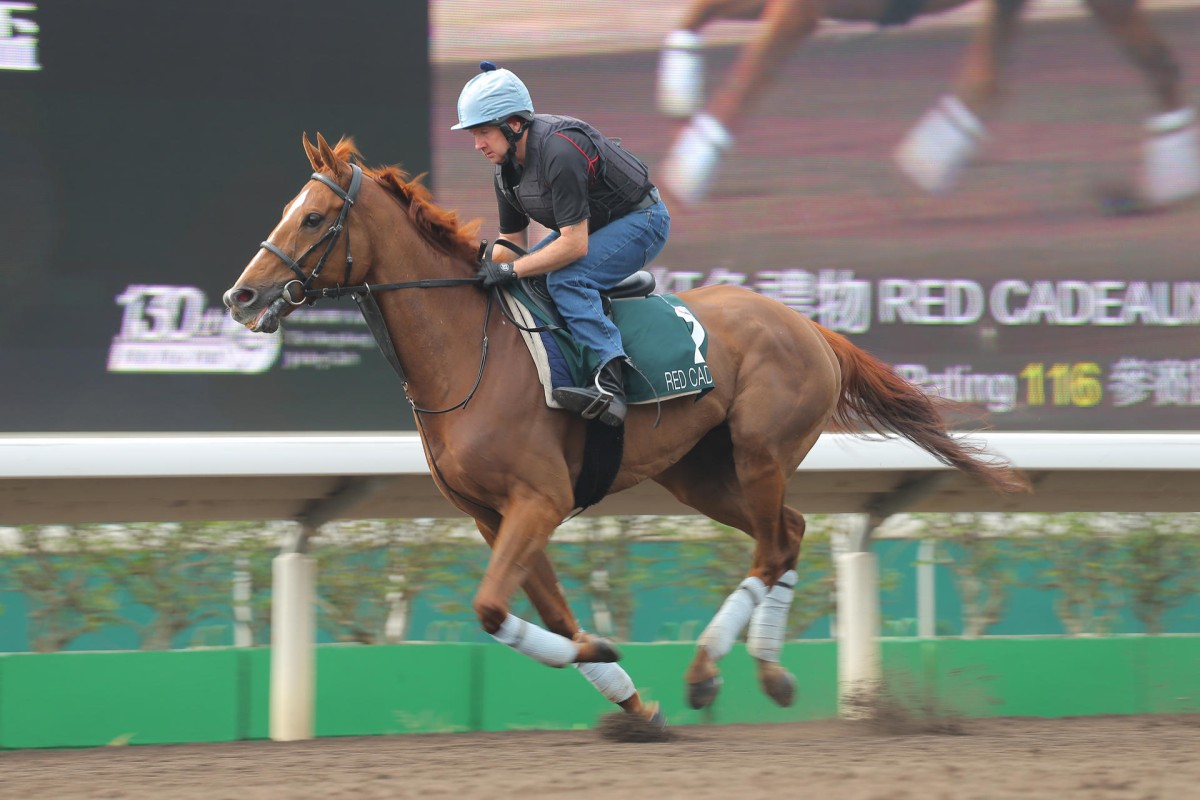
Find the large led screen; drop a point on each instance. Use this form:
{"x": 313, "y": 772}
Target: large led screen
{"x": 148, "y": 146}
{"x": 1035, "y": 290}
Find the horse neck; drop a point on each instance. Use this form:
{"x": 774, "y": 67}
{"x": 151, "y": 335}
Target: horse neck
{"x": 437, "y": 332}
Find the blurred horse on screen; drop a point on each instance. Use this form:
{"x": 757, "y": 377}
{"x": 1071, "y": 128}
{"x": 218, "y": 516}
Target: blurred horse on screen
{"x": 503, "y": 457}
{"x": 935, "y": 151}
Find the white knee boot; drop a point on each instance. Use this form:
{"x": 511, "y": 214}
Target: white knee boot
{"x": 934, "y": 152}
{"x": 1171, "y": 157}
{"x": 694, "y": 157}
{"x": 680, "y": 75}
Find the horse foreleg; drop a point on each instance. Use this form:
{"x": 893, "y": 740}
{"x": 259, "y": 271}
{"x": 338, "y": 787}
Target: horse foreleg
{"x": 785, "y": 24}
{"x": 542, "y": 587}
{"x": 545, "y": 592}
{"x": 703, "y": 12}
{"x": 517, "y": 548}
{"x": 694, "y": 156}
{"x": 978, "y": 84}
{"x": 680, "y": 63}
{"x": 934, "y": 152}
{"x": 1171, "y": 151}
{"x": 1131, "y": 27}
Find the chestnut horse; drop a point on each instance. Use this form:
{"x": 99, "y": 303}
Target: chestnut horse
{"x": 508, "y": 461}
{"x": 934, "y": 152}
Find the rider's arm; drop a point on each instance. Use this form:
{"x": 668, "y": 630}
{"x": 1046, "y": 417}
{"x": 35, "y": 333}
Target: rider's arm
{"x": 571, "y": 245}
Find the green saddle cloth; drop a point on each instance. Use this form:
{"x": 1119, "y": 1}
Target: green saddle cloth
{"x": 662, "y": 338}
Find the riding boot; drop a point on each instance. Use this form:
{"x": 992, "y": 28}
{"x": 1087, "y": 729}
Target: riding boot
{"x": 602, "y": 398}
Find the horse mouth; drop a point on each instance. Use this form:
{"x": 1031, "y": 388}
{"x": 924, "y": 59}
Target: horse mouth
{"x": 267, "y": 320}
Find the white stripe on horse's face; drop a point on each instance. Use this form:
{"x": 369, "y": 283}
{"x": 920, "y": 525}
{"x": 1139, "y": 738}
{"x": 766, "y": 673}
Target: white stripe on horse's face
{"x": 290, "y": 212}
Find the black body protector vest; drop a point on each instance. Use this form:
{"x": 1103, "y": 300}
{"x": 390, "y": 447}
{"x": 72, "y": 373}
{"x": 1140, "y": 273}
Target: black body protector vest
{"x": 621, "y": 182}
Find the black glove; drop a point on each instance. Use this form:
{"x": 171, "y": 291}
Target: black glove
{"x": 495, "y": 273}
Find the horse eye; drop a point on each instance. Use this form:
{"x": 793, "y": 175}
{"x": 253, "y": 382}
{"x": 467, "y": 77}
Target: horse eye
{"x": 312, "y": 220}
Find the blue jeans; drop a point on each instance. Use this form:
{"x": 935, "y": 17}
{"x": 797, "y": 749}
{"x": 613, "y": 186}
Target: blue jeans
{"x": 615, "y": 252}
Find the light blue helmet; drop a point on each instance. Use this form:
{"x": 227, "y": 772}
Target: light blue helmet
{"x": 491, "y": 97}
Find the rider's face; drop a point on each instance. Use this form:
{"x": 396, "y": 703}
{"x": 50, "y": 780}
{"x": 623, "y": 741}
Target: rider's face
{"x": 490, "y": 141}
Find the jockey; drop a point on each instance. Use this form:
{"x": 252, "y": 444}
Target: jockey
{"x": 605, "y": 217}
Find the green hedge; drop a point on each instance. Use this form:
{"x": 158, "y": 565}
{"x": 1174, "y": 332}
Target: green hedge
{"x": 91, "y": 699}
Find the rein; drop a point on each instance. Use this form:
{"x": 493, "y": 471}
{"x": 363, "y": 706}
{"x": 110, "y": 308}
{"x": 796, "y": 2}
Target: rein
{"x": 364, "y": 293}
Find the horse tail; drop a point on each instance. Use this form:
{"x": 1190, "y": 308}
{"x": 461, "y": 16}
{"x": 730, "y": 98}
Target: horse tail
{"x": 874, "y": 399}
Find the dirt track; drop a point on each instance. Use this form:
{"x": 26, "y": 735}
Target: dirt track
{"x": 1084, "y": 757}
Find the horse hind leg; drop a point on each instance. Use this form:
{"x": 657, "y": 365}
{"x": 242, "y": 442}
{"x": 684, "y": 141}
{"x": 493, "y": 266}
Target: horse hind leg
{"x": 1171, "y": 150}
{"x": 761, "y": 603}
{"x": 936, "y": 150}
{"x": 768, "y": 625}
{"x": 738, "y": 496}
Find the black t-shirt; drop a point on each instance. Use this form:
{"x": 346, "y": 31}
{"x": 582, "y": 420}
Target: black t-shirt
{"x": 570, "y": 164}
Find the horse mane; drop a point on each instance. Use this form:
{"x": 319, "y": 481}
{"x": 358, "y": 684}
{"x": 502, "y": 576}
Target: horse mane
{"x": 438, "y": 226}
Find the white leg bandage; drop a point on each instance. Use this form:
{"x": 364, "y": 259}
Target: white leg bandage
{"x": 1171, "y": 157}
{"x": 680, "y": 75}
{"x": 610, "y": 680}
{"x": 768, "y": 624}
{"x": 934, "y": 152}
{"x": 537, "y": 643}
{"x": 732, "y": 617}
{"x": 691, "y": 164}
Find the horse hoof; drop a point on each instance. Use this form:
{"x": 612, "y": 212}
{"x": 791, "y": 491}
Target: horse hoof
{"x": 1121, "y": 199}
{"x": 703, "y": 693}
{"x": 780, "y": 686}
{"x": 657, "y": 718}
{"x": 625, "y": 727}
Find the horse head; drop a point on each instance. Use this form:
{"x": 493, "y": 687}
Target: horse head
{"x": 309, "y": 249}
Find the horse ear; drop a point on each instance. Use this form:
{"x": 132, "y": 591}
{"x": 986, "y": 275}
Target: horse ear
{"x": 314, "y": 157}
{"x": 326, "y": 154}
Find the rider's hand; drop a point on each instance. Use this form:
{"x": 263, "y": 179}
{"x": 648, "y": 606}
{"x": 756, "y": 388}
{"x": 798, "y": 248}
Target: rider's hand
{"x": 495, "y": 273}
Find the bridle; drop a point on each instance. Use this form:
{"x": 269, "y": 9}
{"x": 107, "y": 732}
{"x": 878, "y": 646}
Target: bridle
{"x": 329, "y": 239}
{"x": 363, "y": 293}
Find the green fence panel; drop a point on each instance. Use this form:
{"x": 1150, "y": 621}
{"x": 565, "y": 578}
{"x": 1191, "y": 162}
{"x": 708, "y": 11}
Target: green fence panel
{"x": 1171, "y": 674}
{"x": 910, "y": 671}
{"x": 87, "y": 699}
{"x": 388, "y": 689}
{"x": 516, "y": 693}
{"x": 1038, "y": 677}
{"x": 256, "y": 700}
{"x": 382, "y": 689}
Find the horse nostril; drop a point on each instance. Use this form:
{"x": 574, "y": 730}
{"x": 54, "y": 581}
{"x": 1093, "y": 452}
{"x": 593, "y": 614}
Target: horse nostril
{"x": 240, "y": 297}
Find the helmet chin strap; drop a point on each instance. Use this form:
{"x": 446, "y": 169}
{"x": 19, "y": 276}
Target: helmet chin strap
{"x": 513, "y": 137}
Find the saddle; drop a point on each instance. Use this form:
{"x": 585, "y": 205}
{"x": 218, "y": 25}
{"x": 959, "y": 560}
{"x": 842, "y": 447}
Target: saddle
{"x": 561, "y": 361}
{"x": 604, "y": 446}
{"x": 639, "y": 284}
